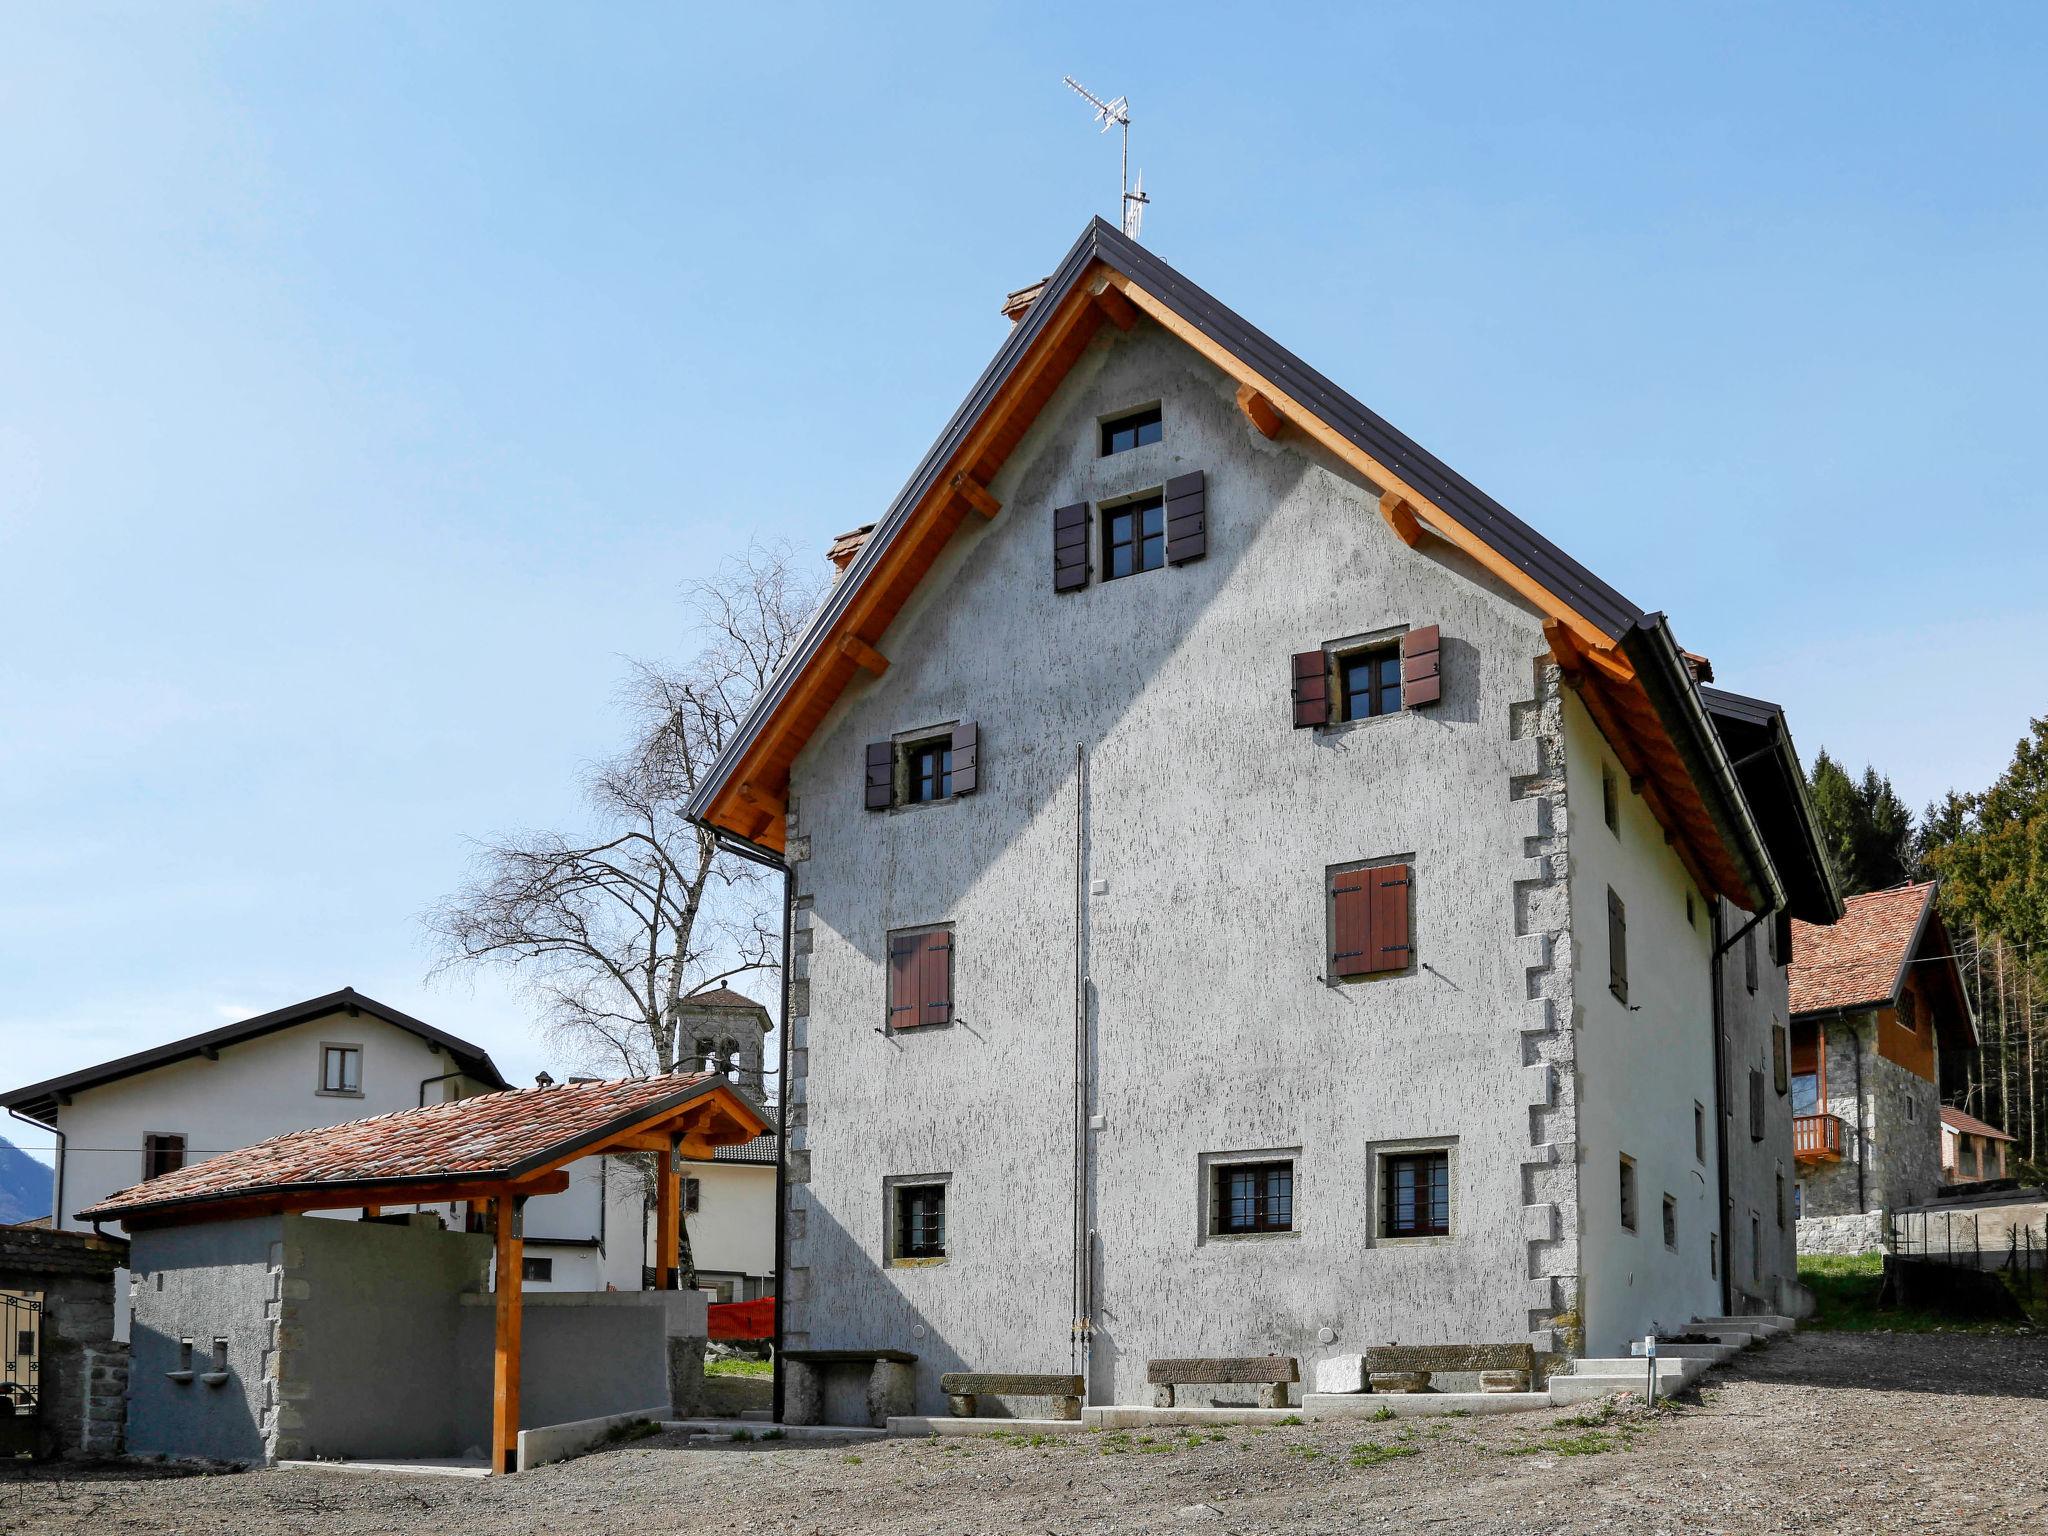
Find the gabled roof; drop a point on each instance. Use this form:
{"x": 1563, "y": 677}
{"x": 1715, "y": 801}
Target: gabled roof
{"x": 1759, "y": 744}
{"x": 1862, "y": 961}
{"x": 40, "y": 1101}
{"x": 493, "y": 1139}
{"x": 1970, "y": 1125}
{"x": 1624, "y": 663}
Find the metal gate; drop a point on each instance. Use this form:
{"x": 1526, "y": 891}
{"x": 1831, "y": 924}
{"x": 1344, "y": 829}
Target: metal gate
{"x": 21, "y": 1361}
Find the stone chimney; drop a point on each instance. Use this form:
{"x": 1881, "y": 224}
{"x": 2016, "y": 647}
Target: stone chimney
{"x": 848, "y": 544}
{"x": 1019, "y": 303}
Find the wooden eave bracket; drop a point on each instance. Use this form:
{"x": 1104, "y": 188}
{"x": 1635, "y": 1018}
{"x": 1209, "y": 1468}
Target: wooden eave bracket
{"x": 1115, "y": 307}
{"x": 976, "y": 495}
{"x": 1401, "y": 518}
{"x": 863, "y": 655}
{"x": 1259, "y": 411}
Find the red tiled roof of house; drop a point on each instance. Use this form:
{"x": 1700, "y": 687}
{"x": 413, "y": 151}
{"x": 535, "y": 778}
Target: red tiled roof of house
{"x": 492, "y": 1136}
{"x": 1970, "y": 1125}
{"x": 1859, "y": 961}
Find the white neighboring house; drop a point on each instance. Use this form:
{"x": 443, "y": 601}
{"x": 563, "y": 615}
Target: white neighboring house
{"x": 729, "y": 1202}
{"x": 324, "y": 1061}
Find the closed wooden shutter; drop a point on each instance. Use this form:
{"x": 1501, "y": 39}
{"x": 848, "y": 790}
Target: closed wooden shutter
{"x": 1781, "y": 1059}
{"x": 881, "y": 775}
{"x": 1369, "y": 929}
{"x": 1070, "y": 547}
{"x": 1187, "y": 518}
{"x": 1617, "y": 947}
{"x": 966, "y": 758}
{"x": 1311, "y": 689}
{"x": 1421, "y": 680}
{"x": 1756, "y": 1104}
{"x": 920, "y": 979}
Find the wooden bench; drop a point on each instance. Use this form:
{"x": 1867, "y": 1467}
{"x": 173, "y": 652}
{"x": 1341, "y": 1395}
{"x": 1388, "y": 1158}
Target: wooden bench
{"x": 965, "y": 1389}
{"x": 891, "y": 1390}
{"x": 1408, "y": 1367}
{"x": 1271, "y": 1374}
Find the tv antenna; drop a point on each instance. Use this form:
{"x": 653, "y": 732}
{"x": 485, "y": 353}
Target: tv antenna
{"x": 1117, "y": 114}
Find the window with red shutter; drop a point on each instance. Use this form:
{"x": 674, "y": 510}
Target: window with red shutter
{"x": 1369, "y": 920}
{"x": 1311, "y": 689}
{"x": 920, "y": 978}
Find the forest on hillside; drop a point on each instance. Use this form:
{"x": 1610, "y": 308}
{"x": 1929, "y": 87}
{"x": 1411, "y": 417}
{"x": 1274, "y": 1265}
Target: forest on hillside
{"x": 1989, "y": 850}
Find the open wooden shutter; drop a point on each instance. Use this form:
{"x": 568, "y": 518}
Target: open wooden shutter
{"x": 1351, "y": 923}
{"x": 1070, "y": 547}
{"x": 906, "y": 954}
{"x": 1617, "y": 947}
{"x": 1311, "y": 689}
{"x": 966, "y": 758}
{"x": 1187, "y": 518}
{"x": 935, "y": 986}
{"x": 1421, "y": 683}
{"x": 881, "y": 775}
{"x": 1390, "y": 940}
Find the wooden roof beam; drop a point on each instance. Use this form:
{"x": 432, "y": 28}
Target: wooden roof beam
{"x": 1401, "y": 518}
{"x": 1116, "y": 309}
{"x": 976, "y": 495}
{"x": 1258, "y": 410}
{"x": 863, "y": 655}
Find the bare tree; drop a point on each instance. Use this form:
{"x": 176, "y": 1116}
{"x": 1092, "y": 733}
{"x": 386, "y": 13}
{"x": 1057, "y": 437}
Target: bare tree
{"x": 612, "y": 931}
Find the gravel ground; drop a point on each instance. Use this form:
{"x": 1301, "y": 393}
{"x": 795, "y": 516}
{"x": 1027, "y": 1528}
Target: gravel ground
{"x": 1824, "y": 1432}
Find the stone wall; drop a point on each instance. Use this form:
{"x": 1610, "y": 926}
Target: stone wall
{"x": 1862, "y": 1232}
{"x": 1895, "y": 1130}
{"x": 83, "y": 1372}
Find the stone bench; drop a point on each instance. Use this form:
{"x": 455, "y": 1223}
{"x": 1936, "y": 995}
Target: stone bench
{"x": 1408, "y": 1367}
{"x": 891, "y": 1391}
{"x": 1271, "y": 1374}
{"x": 965, "y": 1389}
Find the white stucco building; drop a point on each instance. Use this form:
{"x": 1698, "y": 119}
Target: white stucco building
{"x": 325, "y": 1061}
{"x": 1253, "y": 894}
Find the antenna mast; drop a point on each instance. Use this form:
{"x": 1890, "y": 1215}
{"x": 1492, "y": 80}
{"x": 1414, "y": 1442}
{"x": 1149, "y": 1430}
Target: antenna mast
{"x": 1117, "y": 114}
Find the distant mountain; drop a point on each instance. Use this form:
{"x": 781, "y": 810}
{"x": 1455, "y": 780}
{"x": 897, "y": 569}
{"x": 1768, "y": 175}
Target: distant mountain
{"x": 24, "y": 1185}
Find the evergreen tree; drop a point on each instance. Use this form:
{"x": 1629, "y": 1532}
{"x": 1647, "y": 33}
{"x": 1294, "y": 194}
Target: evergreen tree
{"x": 1865, "y": 825}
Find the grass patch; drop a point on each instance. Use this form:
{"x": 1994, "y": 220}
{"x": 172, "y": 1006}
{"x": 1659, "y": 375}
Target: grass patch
{"x": 742, "y": 1434}
{"x": 1845, "y": 1291}
{"x": 1379, "y": 1416}
{"x": 851, "y": 1461}
{"x": 1292, "y": 1418}
{"x": 740, "y": 1366}
{"x": 639, "y": 1429}
{"x": 772, "y": 1434}
{"x": 1459, "y": 1413}
{"x": 1370, "y": 1453}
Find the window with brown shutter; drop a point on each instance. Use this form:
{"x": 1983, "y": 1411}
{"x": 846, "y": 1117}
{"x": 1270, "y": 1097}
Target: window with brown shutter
{"x": 1756, "y": 1104}
{"x": 1070, "y": 547}
{"x": 1187, "y": 518}
{"x": 1617, "y": 947}
{"x": 1369, "y": 922}
{"x": 922, "y": 770}
{"x": 1781, "y": 1059}
{"x": 1311, "y": 689}
{"x": 966, "y": 758}
{"x": 920, "y": 978}
{"x": 1421, "y": 682}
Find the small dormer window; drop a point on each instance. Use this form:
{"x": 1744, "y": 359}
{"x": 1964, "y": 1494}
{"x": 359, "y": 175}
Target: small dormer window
{"x": 341, "y": 1070}
{"x": 1133, "y": 431}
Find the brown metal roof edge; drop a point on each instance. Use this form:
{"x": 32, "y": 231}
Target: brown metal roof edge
{"x": 43, "y": 1096}
{"x": 1515, "y": 540}
{"x": 1820, "y": 899}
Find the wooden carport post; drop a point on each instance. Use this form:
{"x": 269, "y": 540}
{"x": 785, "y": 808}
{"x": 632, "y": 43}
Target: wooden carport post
{"x": 509, "y": 1213}
{"x": 668, "y": 1210}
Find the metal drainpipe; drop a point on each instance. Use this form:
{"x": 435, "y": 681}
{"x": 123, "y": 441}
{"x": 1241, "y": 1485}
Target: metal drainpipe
{"x": 762, "y": 857}
{"x": 1083, "y": 1330}
{"x": 427, "y": 1082}
{"x": 1856, "y": 1051}
{"x": 56, "y": 1173}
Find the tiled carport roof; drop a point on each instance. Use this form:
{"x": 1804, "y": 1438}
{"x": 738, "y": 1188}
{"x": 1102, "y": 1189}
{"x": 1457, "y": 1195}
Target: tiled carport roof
{"x": 1859, "y": 961}
{"x": 1970, "y": 1125}
{"x": 493, "y": 1139}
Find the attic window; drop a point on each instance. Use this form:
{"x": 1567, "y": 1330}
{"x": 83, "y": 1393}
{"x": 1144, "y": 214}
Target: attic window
{"x": 1369, "y": 681}
{"x": 929, "y": 770}
{"x": 1133, "y": 431}
{"x": 341, "y": 1070}
{"x": 1134, "y": 537}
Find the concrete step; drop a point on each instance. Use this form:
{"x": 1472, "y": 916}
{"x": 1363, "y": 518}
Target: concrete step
{"x": 1766, "y": 1325}
{"x": 1668, "y": 1349}
{"x": 1568, "y": 1390}
{"x": 1673, "y": 1372}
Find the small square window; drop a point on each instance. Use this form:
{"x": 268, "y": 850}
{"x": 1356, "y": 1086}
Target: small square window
{"x": 1628, "y": 1193}
{"x": 1121, "y": 433}
{"x": 1617, "y": 947}
{"x": 1670, "y": 1223}
{"x": 1610, "y": 800}
{"x": 1369, "y": 682}
{"x": 1749, "y": 959}
{"x": 1714, "y": 1255}
{"x": 918, "y": 1220}
{"x": 341, "y": 1069}
{"x": 1756, "y": 1248}
{"x": 1415, "y": 1194}
{"x": 928, "y": 771}
{"x": 162, "y": 1153}
{"x": 1781, "y": 1202}
{"x": 1133, "y": 537}
{"x": 1251, "y": 1197}
{"x": 542, "y": 1270}
{"x": 1699, "y": 1131}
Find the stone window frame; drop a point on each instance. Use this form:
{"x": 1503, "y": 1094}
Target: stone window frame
{"x": 1377, "y": 1154}
{"x": 1628, "y": 1199}
{"x": 1335, "y": 654}
{"x": 1413, "y": 965}
{"x": 1109, "y": 421}
{"x": 903, "y": 747}
{"x": 1207, "y": 1165}
{"x": 893, "y": 1186}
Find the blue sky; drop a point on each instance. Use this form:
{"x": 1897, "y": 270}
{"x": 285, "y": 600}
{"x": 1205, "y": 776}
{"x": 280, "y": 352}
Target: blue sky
{"x": 371, "y": 378}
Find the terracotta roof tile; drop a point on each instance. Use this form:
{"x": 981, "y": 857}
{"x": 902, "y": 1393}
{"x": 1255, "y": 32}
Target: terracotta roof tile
{"x": 491, "y": 1136}
{"x": 1857, "y": 962}
{"x": 1955, "y": 1120}
{"x": 723, "y": 997}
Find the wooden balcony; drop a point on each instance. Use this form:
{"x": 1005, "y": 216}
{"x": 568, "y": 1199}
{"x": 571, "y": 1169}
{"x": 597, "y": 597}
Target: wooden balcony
{"x": 1817, "y": 1138}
